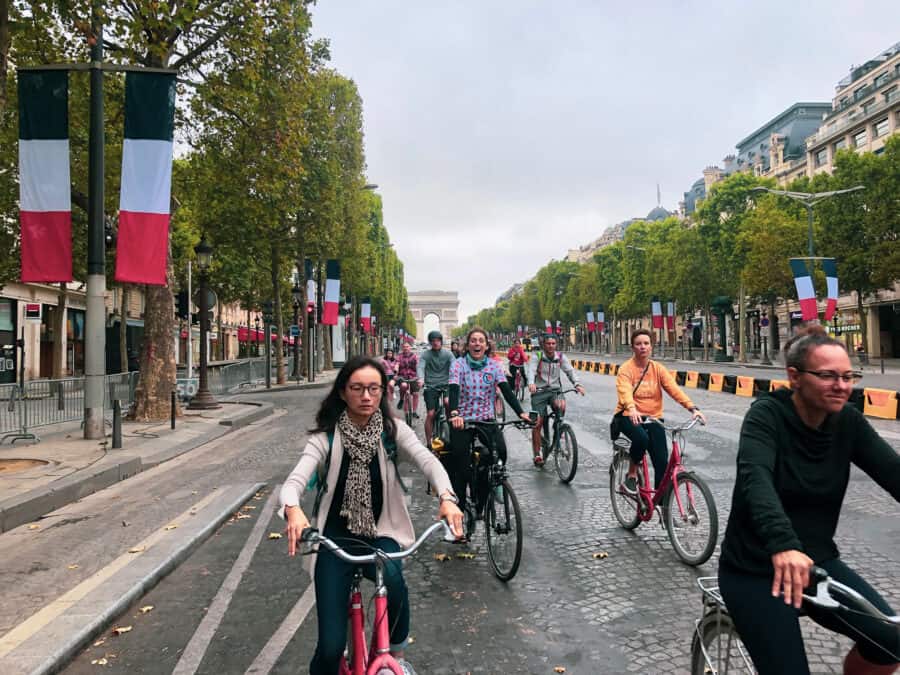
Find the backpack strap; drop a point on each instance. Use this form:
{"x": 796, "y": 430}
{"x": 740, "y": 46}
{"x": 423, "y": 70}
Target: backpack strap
{"x": 390, "y": 447}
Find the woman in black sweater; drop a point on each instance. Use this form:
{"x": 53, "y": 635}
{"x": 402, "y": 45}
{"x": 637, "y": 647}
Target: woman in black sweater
{"x": 793, "y": 466}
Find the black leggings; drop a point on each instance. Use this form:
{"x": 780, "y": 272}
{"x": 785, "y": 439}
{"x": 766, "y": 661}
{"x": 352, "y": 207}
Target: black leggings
{"x": 770, "y": 629}
{"x": 457, "y": 462}
{"x": 649, "y": 437}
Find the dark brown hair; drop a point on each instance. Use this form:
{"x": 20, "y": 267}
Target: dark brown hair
{"x": 333, "y": 405}
{"x": 805, "y": 340}
{"x": 639, "y": 332}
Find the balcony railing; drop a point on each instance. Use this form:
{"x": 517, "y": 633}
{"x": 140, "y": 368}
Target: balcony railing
{"x": 830, "y": 131}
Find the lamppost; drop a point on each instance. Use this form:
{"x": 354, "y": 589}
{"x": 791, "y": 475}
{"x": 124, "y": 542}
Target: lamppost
{"x": 204, "y": 400}
{"x": 268, "y": 317}
{"x": 809, "y": 200}
{"x": 297, "y": 297}
{"x": 256, "y": 335}
{"x": 764, "y": 324}
{"x": 689, "y": 336}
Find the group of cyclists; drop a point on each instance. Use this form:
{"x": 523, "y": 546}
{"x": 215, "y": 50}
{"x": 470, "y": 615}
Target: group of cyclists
{"x": 794, "y": 458}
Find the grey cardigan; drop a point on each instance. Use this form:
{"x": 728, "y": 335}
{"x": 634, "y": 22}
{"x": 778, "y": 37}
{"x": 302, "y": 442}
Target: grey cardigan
{"x": 394, "y": 521}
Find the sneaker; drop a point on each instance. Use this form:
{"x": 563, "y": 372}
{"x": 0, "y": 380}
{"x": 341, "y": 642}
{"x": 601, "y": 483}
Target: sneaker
{"x": 538, "y": 461}
{"x": 406, "y": 667}
{"x": 630, "y": 485}
{"x": 416, "y": 415}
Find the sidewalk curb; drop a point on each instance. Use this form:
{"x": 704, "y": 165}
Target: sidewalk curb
{"x": 70, "y": 643}
{"x": 31, "y": 505}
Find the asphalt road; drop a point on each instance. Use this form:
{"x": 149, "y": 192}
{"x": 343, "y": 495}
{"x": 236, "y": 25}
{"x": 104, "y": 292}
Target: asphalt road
{"x": 239, "y": 604}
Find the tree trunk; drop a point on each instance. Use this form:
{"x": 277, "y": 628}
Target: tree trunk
{"x": 123, "y": 331}
{"x": 708, "y": 336}
{"x": 158, "y": 370}
{"x": 742, "y": 326}
{"x": 326, "y": 343}
{"x": 279, "y": 323}
{"x": 59, "y": 329}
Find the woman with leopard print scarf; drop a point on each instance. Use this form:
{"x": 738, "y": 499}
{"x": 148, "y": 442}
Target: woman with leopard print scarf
{"x": 366, "y": 506}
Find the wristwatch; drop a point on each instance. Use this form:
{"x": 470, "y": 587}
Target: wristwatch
{"x": 449, "y": 497}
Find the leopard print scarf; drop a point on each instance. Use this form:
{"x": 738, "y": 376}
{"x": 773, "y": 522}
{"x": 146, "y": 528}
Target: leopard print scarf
{"x": 362, "y": 446}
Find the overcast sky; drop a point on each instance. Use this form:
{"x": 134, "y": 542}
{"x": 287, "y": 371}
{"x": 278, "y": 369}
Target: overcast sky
{"x": 502, "y": 134}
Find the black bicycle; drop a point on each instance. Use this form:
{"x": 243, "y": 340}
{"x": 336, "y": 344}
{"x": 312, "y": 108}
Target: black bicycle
{"x": 717, "y": 648}
{"x": 491, "y": 498}
{"x": 560, "y": 442}
{"x": 440, "y": 428}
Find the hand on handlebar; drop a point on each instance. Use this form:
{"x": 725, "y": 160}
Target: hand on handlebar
{"x": 532, "y": 388}
{"x": 525, "y": 417}
{"x": 579, "y": 389}
{"x": 457, "y": 422}
{"x": 454, "y": 517}
{"x": 700, "y": 416}
{"x": 791, "y": 575}
{"x": 297, "y": 522}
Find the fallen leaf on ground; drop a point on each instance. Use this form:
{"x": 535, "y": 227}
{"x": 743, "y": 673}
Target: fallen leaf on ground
{"x": 100, "y": 642}
{"x": 274, "y": 535}
{"x": 118, "y": 630}
{"x": 34, "y": 527}
{"x": 73, "y": 567}
{"x": 465, "y": 556}
{"x": 241, "y": 516}
{"x": 442, "y": 557}
{"x": 600, "y": 555}
{"x": 559, "y": 669}
{"x": 125, "y": 523}
{"x": 137, "y": 549}
{"x": 146, "y": 609}
{"x": 171, "y": 527}
{"x": 248, "y": 507}
{"x": 99, "y": 662}
{"x": 194, "y": 492}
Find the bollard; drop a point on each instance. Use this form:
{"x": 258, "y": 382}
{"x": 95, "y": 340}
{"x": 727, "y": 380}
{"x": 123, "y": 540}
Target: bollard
{"x": 882, "y": 364}
{"x": 117, "y": 425}
{"x": 173, "y": 410}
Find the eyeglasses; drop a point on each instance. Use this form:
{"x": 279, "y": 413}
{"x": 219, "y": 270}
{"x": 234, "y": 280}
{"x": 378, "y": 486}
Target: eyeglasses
{"x": 829, "y": 376}
{"x": 373, "y": 389}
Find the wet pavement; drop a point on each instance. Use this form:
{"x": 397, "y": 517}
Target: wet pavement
{"x": 632, "y": 611}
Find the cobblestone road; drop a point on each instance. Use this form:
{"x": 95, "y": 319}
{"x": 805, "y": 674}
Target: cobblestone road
{"x": 631, "y": 612}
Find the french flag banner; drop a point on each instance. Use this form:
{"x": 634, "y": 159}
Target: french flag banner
{"x": 670, "y": 315}
{"x": 558, "y": 327}
{"x": 519, "y": 331}
{"x": 806, "y": 293}
{"x": 548, "y": 326}
{"x": 831, "y": 279}
{"x": 143, "y": 242}
{"x": 332, "y": 292}
{"x": 365, "y": 315}
{"x": 589, "y": 317}
{"x": 45, "y": 202}
{"x": 601, "y": 319}
{"x": 656, "y": 312}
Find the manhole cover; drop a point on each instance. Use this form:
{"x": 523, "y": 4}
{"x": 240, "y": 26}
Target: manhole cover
{"x": 13, "y": 465}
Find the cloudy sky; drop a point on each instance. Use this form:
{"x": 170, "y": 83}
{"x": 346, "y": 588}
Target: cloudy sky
{"x": 502, "y": 134}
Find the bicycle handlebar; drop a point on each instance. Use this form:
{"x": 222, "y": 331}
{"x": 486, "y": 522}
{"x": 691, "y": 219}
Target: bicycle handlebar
{"x": 559, "y": 392}
{"x": 684, "y": 426}
{"x": 312, "y": 536}
{"x": 822, "y": 583}
{"x": 823, "y": 598}
{"x": 519, "y": 424}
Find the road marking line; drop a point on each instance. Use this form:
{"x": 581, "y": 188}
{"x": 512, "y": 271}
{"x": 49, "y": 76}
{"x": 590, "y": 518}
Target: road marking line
{"x": 270, "y": 654}
{"x": 44, "y": 616}
{"x": 193, "y": 654}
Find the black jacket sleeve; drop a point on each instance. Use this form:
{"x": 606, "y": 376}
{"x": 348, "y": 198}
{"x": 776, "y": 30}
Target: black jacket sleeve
{"x": 510, "y": 397}
{"x": 454, "y": 397}
{"x": 872, "y": 454}
{"x": 757, "y": 455}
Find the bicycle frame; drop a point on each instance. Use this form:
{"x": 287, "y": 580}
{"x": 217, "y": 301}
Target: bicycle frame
{"x": 378, "y": 657}
{"x": 653, "y": 498}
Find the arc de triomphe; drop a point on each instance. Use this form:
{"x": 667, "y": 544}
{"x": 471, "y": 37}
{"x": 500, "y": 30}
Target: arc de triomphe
{"x": 443, "y": 304}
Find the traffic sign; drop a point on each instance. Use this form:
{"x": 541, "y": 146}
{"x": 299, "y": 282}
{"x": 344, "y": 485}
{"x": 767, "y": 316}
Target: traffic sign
{"x": 295, "y": 331}
{"x": 764, "y": 322}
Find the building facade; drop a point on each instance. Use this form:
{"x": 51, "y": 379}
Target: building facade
{"x": 864, "y": 113}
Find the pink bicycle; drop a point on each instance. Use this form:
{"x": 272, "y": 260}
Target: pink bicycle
{"x": 377, "y": 660}
{"x": 684, "y": 501}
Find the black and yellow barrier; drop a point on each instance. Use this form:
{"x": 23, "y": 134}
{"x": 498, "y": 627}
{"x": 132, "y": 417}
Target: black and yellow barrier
{"x": 716, "y": 380}
{"x": 691, "y": 379}
{"x": 744, "y": 386}
{"x": 880, "y": 403}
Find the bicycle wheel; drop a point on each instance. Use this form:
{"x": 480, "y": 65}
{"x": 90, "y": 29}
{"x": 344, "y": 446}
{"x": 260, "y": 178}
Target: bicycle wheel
{"x": 717, "y": 648}
{"x": 693, "y": 534}
{"x": 624, "y": 506}
{"x": 503, "y": 531}
{"x": 520, "y": 388}
{"x": 566, "y": 455}
{"x": 407, "y": 409}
